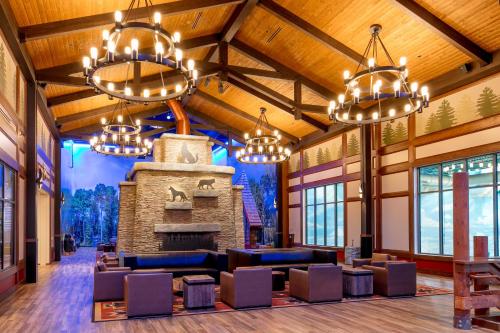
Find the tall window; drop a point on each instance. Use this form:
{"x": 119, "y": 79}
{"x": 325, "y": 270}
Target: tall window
{"x": 435, "y": 203}
{"x": 7, "y": 209}
{"x": 324, "y": 211}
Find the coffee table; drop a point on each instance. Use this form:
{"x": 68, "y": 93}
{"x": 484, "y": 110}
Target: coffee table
{"x": 199, "y": 291}
{"x": 357, "y": 281}
{"x": 278, "y": 280}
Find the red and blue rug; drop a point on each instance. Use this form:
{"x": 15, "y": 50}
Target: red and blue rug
{"x": 115, "y": 310}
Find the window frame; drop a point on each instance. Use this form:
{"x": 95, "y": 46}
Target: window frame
{"x": 325, "y": 203}
{"x": 3, "y": 201}
{"x": 495, "y": 186}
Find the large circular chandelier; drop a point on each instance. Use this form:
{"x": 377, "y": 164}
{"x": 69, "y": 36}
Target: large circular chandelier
{"x": 121, "y": 135}
{"x": 163, "y": 52}
{"x": 262, "y": 148}
{"x": 374, "y": 83}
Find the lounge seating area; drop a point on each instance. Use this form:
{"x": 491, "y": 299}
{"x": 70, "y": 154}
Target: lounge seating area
{"x": 196, "y": 166}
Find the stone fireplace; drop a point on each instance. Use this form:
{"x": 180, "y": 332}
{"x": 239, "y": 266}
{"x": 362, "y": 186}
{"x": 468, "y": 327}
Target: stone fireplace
{"x": 180, "y": 201}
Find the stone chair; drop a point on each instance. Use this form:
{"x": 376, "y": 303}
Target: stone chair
{"x": 320, "y": 283}
{"x": 398, "y": 278}
{"x": 108, "y": 282}
{"x": 247, "y": 287}
{"x": 148, "y": 294}
{"x": 377, "y": 259}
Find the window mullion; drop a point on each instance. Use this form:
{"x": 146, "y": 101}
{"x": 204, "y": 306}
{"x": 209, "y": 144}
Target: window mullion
{"x": 441, "y": 210}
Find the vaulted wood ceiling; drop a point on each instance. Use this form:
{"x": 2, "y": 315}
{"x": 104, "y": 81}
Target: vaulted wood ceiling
{"x": 285, "y": 55}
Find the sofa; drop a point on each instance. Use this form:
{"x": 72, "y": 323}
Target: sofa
{"x": 279, "y": 259}
{"x": 247, "y": 287}
{"x": 377, "y": 259}
{"x": 108, "y": 282}
{"x": 320, "y": 283}
{"x": 395, "y": 278}
{"x": 179, "y": 263}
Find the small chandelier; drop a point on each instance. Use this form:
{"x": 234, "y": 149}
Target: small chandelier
{"x": 367, "y": 87}
{"x": 261, "y": 148}
{"x": 165, "y": 53}
{"x": 121, "y": 136}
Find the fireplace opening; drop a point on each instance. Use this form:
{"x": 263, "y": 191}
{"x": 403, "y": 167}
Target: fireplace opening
{"x": 185, "y": 241}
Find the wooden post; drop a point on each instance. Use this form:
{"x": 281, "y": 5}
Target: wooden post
{"x": 366, "y": 185}
{"x": 461, "y": 318}
{"x": 481, "y": 251}
{"x": 57, "y": 200}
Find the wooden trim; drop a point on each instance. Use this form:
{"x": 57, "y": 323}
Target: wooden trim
{"x": 394, "y": 168}
{"x": 294, "y": 205}
{"x": 394, "y": 148}
{"x": 323, "y": 167}
{"x": 445, "y": 31}
{"x": 237, "y": 19}
{"x": 326, "y": 181}
{"x": 394, "y": 194}
{"x": 7, "y": 159}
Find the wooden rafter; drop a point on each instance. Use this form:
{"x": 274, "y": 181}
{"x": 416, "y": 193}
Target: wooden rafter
{"x": 212, "y": 139}
{"x": 454, "y": 37}
{"x": 50, "y": 29}
{"x": 266, "y": 60}
{"x": 202, "y": 118}
{"x": 241, "y": 113}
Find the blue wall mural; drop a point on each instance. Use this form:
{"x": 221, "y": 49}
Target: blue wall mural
{"x": 90, "y": 181}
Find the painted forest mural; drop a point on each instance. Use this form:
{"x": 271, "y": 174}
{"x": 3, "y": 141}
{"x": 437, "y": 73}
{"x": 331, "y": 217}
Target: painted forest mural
{"x": 353, "y": 142}
{"x": 394, "y": 131}
{"x": 478, "y": 101}
{"x": 325, "y": 152}
{"x": 294, "y": 162}
{"x": 7, "y": 75}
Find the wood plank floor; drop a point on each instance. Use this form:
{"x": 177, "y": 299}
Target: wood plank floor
{"x": 62, "y": 302}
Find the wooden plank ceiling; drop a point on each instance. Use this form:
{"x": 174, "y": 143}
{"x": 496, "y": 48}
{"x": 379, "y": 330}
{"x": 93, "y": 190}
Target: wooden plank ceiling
{"x": 285, "y": 55}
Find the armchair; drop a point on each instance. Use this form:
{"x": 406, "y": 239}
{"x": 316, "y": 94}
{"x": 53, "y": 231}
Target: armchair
{"x": 247, "y": 287}
{"x": 148, "y": 294}
{"x": 108, "y": 282}
{"x": 320, "y": 283}
{"x": 377, "y": 259}
{"x": 394, "y": 279}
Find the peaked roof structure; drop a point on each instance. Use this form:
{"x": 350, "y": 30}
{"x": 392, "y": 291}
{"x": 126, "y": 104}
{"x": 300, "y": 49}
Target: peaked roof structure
{"x": 249, "y": 207}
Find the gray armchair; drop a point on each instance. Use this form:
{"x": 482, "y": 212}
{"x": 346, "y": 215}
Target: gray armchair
{"x": 148, "y": 294}
{"x": 108, "y": 282}
{"x": 377, "y": 259}
{"x": 397, "y": 278}
{"x": 320, "y": 283}
{"x": 247, "y": 287}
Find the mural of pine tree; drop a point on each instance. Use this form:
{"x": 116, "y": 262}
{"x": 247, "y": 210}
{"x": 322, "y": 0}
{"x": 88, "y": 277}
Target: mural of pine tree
{"x": 432, "y": 124}
{"x": 320, "y": 158}
{"x": 400, "y": 134}
{"x": 388, "y": 134}
{"x": 488, "y": 103}
{"x": 446, "y": 115}
{"x": 340, "y": 153}
{"x": 297, "y": 166}
{"x": 328, "y": 155}
{"x": 353, "y": 145}
{"x": 3, "y": 67}
{"x": 306, "y": 160}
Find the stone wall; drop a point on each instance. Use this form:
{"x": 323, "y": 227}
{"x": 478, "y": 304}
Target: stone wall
{"x": 126, "y": 217}
{"x": 188, "y": 149}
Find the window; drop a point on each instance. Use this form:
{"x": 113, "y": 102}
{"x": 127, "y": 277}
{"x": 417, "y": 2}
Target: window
{"x": 435, "y": 203}
{"x": 7, "y": 209}
{"x": 324, "y": 211}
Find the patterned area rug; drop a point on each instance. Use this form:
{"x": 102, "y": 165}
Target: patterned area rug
{"x": 115, "y": 310}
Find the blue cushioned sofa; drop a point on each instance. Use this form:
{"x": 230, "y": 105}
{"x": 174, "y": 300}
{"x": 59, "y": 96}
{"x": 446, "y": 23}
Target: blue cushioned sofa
{"x": 279, "y": 259}
{"x": 179, "y": 263}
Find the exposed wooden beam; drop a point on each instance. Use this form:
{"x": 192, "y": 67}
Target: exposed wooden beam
{"x": 264, "y": 59}
{"x": 214, "y": 140}
{"x": 155, "y": 131}
{"x": 259, "y": 72}
{"x": 205, "y": 119}
{"x": 241, "y": 113}
{"x": 241, "y": 84}
{"x": 297, "y": 98}
{"x": 446, "y": 31}
{"x": 70, "y": 97}
{"x": 50, "y": 29}
{"x": 86, "y": 114}
{"x": 69, "y": 81}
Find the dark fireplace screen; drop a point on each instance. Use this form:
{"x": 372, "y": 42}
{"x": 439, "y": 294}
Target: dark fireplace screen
{"x": 183, "y": 241}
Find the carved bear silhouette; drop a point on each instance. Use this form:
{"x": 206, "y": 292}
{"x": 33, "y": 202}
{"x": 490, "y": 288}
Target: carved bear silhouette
{"x": 186, "y": 156}
{"x": 176, "y": 194}
{"x": 206, "y": 182}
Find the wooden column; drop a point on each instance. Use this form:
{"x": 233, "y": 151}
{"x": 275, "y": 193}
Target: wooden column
{"x": 481, "y": 251}
{"x": 57, "y": 200}
{"x": 31, "y": 186}
{"x": 461, "y": 318}
{"x": 280, "y": 240}
{"x": 366, "y": 185}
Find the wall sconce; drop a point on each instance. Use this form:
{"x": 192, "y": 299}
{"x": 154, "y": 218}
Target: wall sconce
{"x": 39, "y": 178}
{"x": 360, "y": 191}
{"x": 62, "y": 199}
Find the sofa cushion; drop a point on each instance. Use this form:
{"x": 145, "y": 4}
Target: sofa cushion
{"x": 101, "y": 267}
{"x": 380, "y": 257}
{"x": 173, "y": 259}
{"x": 286, "y": 257}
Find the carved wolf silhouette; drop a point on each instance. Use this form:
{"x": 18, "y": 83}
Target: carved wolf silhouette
{"x": 186, "y": 156}
{"x": 206, "y": 182}
{"x": 176, "y": 193}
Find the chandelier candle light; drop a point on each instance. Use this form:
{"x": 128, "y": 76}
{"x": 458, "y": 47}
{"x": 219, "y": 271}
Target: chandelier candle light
{"x": 165, "y": 53}
{"x": 262, "y": 148}
{"x": 121, "y": 136}
{"x": 386, "y": 86}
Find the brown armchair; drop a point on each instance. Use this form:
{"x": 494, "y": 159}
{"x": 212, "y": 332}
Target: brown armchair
{"x": 377, "y": 259}
{"x": 395, "y": 278}
{"x": 108, "y": 282}
{"x": 320, "y": 283}
{"x": 148, "y": 294}
{"x": 247, "y": 287}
